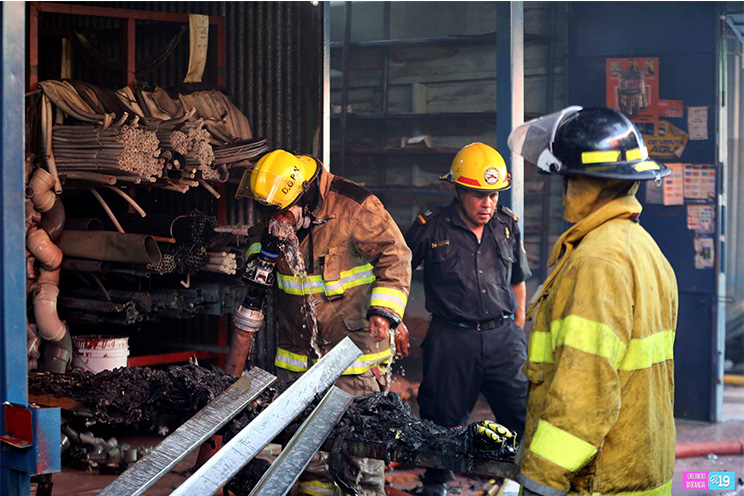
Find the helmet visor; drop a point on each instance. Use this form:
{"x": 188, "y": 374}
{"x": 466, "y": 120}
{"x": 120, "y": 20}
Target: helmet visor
{"x": 533, "y": 140}
{"x": 270, "y": 189}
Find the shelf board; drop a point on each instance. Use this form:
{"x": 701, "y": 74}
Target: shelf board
{"x": 412, "y": 116}
{"x": 440, "y": 41}
{"x": 429, "y": 116}
{"x": 398, "y": 151}
{"x": 381, "y": 190}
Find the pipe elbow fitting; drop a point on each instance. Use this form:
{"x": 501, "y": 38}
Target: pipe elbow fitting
{"x": 43, "y": 249}
{"x": 53, "y": 221}
{"x": 49, "y": 325}
{"x": 40, "y": 190}
{"x": 48, "y": 276}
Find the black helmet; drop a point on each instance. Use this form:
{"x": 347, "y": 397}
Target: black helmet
{"x": 596, "y": 142}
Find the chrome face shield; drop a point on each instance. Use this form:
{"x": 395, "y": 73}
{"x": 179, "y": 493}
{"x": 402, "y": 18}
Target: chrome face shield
{"x": 533, "y": 140}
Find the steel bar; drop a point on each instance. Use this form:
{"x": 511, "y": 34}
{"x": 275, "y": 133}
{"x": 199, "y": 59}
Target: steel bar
{"x": 269, "y": 423}
{"x": 296, "y": 454}
{"x": 193, "y": 433}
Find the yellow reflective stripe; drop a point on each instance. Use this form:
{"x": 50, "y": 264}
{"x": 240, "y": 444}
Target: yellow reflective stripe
{"x": 254, "y": 248}
{"x": 389, "y": 298}
{"x": 642, "y": 353}
{"x": 560, "y": 447}
{"x": 540, "y": 349}
{"x": 290, "y": 361}
{"x": 315, "y": 284}
{"x": 662, "y": 490}
{"x": 364, "y": 362}
{"x": 598, "y": 339}
{"x": 634, "y": 154}
{"x": 351, "y": 279}
{"x": 600, "y": 157}
{"x": 317, "y": 488}
{"x": 299, "y": 286}
{"x": 647, "y": 165}
{"x": 588, "y": 336}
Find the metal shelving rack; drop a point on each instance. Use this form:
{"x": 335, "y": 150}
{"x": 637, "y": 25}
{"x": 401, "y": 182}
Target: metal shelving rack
{"x": 216, "y": 71}
{"x": 345, "y": 118}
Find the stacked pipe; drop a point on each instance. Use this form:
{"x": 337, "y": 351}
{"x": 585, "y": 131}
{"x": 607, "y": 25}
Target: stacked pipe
{"x": 241, "y": 152}
{"x": 97, "y": 311}
{"x": 191, "y": 141}
{"x": 129, "y": 150}
{"x": 167, "y": 264}
{"x": 221, "y": 262}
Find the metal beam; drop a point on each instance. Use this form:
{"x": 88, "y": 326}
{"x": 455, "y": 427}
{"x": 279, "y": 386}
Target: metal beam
{"x": 247, "y": 443}
{"x": 297, "y": 453}
{"x": 510, "y": 95}
{"x": 13, "y": 376}
{"x": 326, "y": 126}
{"x": 193, "y": 433}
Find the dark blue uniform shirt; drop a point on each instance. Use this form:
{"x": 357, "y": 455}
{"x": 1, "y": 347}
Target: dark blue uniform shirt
{"x": 464, "y": 280}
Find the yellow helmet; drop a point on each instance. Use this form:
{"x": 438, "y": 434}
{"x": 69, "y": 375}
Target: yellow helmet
{"x": 278, "y": 180}
{"x": 479, "y": 167}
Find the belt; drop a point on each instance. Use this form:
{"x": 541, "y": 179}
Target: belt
{"x": 480, "y": 326}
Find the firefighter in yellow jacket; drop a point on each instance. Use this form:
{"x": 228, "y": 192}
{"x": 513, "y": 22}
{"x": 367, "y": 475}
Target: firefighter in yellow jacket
{"x": 358, "y": 277}
{"x": 600, "y": 363}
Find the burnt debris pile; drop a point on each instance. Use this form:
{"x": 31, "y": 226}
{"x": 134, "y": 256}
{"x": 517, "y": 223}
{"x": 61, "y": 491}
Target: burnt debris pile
{"x": 385, "y": 420}
{"x": 139, "y": 398}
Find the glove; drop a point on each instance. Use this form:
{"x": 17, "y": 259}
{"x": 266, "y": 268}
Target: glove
{"x": 496, "y": 433}
{"x": 401, "y": 340}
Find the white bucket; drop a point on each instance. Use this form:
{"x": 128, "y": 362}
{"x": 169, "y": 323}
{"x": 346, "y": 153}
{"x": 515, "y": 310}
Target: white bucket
{"x": 99, "y": 353}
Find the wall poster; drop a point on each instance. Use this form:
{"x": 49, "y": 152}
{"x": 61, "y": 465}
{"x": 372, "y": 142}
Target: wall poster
{"x": 700, "y": 183}
{"x": 633, "y": 87}
{"x": 674, "y": 185}
{"x": 663, "y": 139}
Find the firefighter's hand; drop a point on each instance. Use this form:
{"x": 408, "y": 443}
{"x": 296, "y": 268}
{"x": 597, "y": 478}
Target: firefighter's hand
{"x": 497, "y": 433}
{"x": 401, "y": 341}
{"x": 379, "y": 328}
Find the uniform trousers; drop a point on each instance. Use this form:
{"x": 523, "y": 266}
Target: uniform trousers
{"x": 459, "y": 364}
{"x": 366, "y": 475}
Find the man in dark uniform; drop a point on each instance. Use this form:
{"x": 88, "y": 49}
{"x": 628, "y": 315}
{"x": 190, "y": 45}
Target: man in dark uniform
{"x": 474, "y": 272}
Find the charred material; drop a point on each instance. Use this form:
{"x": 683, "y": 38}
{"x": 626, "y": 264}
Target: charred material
{"x": 378, "y": 425}
{"x": 139, "y": 398}
{"x": 382, "y": 419}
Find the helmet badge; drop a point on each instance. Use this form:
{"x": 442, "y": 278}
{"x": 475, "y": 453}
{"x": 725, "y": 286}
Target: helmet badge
{"x": 491, "y": 175}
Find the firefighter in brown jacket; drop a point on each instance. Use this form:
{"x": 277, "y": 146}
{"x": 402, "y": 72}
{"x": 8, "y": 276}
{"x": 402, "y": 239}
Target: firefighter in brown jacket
{"x": 358, "y": 273}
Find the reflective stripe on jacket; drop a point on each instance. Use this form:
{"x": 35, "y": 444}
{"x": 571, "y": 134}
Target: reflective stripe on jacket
{"x": 360, "y": 261}
{"x": 300, "y": 363}
{"x": 600, "y": 363}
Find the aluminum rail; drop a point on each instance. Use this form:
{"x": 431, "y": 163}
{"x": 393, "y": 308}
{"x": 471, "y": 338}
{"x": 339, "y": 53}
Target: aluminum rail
{"x": 269, "y": 423}
{"x": 190, "y": 435}
{"x": 297, "y": 453}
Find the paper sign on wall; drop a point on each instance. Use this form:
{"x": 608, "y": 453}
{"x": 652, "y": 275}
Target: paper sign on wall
{"x": 674, "y": 192}
{"x": 700, "y": 182}
{"x": 697, "y": 123}
{"x": 704, "y": 253}
{"x": 701, "y": 218}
